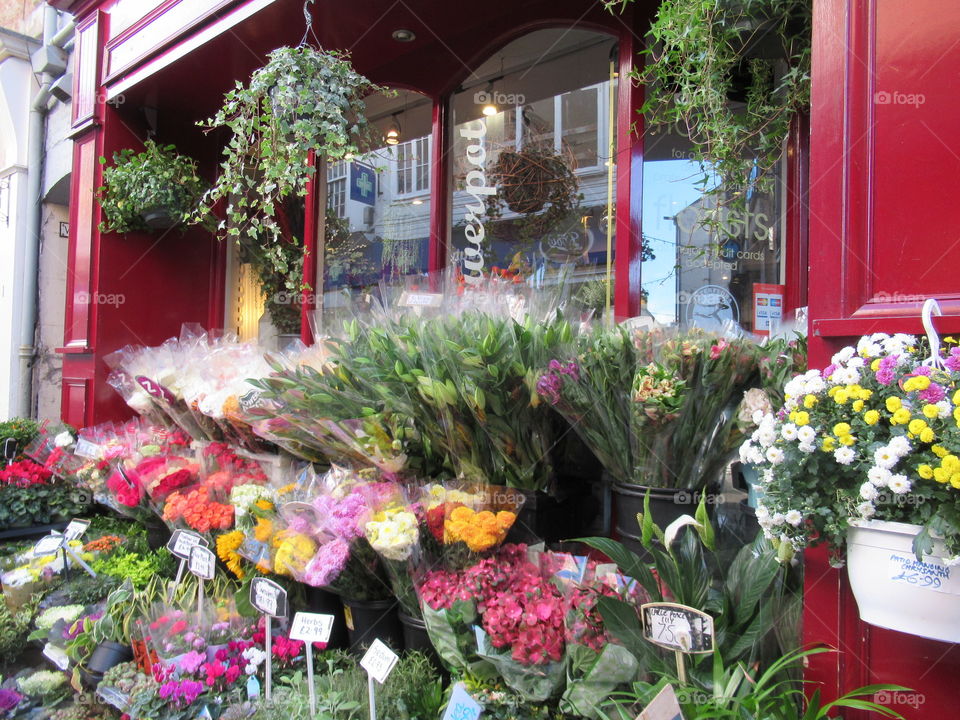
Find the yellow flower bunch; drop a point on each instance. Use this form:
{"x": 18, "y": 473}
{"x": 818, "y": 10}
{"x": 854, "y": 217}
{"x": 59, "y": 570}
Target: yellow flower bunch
{"x": 294, "y": 551}
{"x": 227, "y": 546}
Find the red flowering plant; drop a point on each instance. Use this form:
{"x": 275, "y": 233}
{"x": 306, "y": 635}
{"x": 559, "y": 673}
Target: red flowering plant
{"x": 173, "y": 633}
{"x": 24, "y": 473}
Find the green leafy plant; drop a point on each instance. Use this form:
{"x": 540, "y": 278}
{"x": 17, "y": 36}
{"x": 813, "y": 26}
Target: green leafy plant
{"x": 740, "y": 692}
{"x": 148, "y": 190}
{"x": 39, "y": 504}
{"x": 118, "y": 614}
{"x": 303, "y": 100}
{"x": 13, "y": 628}
{"x": 23, "y": 430}
{"x": 751, "y": 600}
{"x": 139, "y": 568}
{"x": 702, "y": 52}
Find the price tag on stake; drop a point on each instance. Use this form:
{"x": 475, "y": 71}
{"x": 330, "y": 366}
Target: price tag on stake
{"x": 75, "y": 530}
{"x": 677, "y": 627}
{"x": 311, "y": 627}
{"x": 202, "y": 562}
{"x": 48, "y": 545}
{"x": 268, "y": 597}
{"x": 182, "y": 541}
{"x": 379, "y": 661}
{"x": 461, "y": 705}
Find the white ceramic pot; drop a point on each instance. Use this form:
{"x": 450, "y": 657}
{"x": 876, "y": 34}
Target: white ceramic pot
{"x": 894, "y": 590}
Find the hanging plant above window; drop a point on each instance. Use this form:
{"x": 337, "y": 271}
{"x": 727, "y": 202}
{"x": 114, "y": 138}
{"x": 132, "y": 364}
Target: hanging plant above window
{"x": 150, "y": 190}
{"x": 730, "y": 75}
{"x": 303, "y": 99}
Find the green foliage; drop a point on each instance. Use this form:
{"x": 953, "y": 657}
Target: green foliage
{"x": 699, "y": 52}
{"x": 748, "y": 598}
{"x": 13, "y": 629}
{"x": 39, "y": 504}
{"x": 302, "y": 100}
{"x": 118, "y": 615}
{"x": 157, "y": 179}
{"x": 83, "y": 589}
{"x": 23, "y": 430}
{"x": 139, "y": 568}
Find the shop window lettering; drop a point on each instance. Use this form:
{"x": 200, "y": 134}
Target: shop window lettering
{"x": 735, "y": 223}
{"x": 476, "y": 186}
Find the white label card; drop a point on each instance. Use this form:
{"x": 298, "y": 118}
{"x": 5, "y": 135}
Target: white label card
{"x": 461, "y": 705}
{"x": 86, "y": 449}
{"x": 75, "y": 530}
{"x": 664, "y": 706}
{"x": 418, "y": 299}
{"x": 56, "y": 655}
{"x": 379, "y": 661}
{"x": 183, "y": 541}
{"x": 268, "y": 597}
{"x": 48, "y": 545}
{"x": 677, "y": 627}
{"x": 202, "y": 562}
{"x": 311, "y": 627}
{"x": 930, "y": 574}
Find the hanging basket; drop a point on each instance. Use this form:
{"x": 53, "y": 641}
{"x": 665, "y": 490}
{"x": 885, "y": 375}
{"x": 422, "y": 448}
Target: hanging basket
{"x": 895, "y": 591}
{"x": 529, "y": 179}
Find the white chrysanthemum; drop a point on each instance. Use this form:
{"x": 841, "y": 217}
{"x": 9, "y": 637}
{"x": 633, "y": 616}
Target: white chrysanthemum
{"x": 868, "y": 491}
{"x": 899, "y": 445}
{"x": 846, "y": 376}
{"x": 856, "y": 362}
{"x": 794, "y": 517}
{"x": 885, "y": 457}
{"x": 763, "y": 512}
{"x": 866, "y": 510}
{"x": 879, "y": 476}
{"x": 844, "y": 455}
{"x": 806, "y": 434}
{"x": 952, "y": 561}
{"x": 775, "y": 455}
{"x": 807, "y": 448}
{"x": 816, "y": 385}
{"x": 63, "y": 439}
{"x": 843, "y": 356}
{"x": 944, "y": 409}
{"x": 766, "y": 436}
{"x": 746, "y": 451}
{"x": 899, "y": 484}
{"x": 766, "y": 477}
{"x": 789, "y": 432}
{"x": 758, "y": 416}
{"x": 777, "y": 518}
{"x": 898, "y": 344}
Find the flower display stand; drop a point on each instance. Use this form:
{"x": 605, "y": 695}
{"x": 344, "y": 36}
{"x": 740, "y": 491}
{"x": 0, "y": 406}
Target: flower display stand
{"x": 896, "y": 591}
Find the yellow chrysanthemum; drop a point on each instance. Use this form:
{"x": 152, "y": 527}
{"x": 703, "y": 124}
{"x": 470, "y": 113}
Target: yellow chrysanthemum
{"x": 809, "y": 401}
{"x": 951, "y": 463}
{"x": 848, "y": 440}
{"x": 940, "y": 451}
{"x": 927, "y": 435}
{"x": 925, "y": 471}
{"x": 841, "y": 396}
{"x": 893, "y": 404}
{"x": 802, "y": 418}
{"x": 901, "y": 417}
{"x": 857, "y": 405}
{"x": 829, "y": 444}
{"x": 875, "y": 365}
{"x": 841, "y": 429}
{"x": 917, "y": 426}
{"x": 871, "y": 417}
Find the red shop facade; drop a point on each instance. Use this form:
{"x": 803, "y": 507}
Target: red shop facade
{"x": 859, "y": 231}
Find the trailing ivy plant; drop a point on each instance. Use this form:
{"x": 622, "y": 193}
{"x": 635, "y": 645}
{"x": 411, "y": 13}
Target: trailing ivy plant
{"x": 702, "y": 53}
{"x": 148, "y": 190}
{"x": 304, "y": 99}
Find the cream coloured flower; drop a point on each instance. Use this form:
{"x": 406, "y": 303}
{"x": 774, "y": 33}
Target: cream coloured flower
{"x": 899, "y": 484}
{"x": 794, "y": 517}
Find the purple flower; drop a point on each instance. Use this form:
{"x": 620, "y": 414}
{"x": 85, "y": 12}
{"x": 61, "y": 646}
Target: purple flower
{"x": 328, "y": 563}
{"x": 571, "y": 369}
{"x": 922, "y": 370}
{"x": 933, "y": 394}
{"x": 952, "y": 361}
{"x": 885, "y": 373}
{"x": 829, "y": 370}
{"x": 9, "y": 699}
{"x": 554, "y": 366}
{"x": 549, "y": 387}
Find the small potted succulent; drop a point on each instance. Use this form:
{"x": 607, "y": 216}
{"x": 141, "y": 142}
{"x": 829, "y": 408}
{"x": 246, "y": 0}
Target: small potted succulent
{"x": 151, "y": 190}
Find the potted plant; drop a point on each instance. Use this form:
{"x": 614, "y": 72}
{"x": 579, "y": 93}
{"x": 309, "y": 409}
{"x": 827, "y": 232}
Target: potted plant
{"x": 702, "y": 53}
{"x": 303, "y": 101}
{"x": 864, "y": 456}
{"x": 151, "y": 190}
{"x": 111, "y": 634}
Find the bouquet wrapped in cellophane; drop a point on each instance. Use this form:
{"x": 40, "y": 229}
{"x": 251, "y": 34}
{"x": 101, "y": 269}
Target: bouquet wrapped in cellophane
{"x": 657, "y": 407}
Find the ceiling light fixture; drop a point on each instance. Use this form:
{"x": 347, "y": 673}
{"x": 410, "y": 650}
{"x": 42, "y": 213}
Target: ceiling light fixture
{"x": 392, "y": 136}
{"x": 403, "y": 35}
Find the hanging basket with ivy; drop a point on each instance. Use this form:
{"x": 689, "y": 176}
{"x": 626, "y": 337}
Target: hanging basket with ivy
{"x": 151, "y": 190}
{"x": 303, "y": 99}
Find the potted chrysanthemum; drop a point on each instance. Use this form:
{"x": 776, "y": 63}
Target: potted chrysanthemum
{"x": 865, "y": 455}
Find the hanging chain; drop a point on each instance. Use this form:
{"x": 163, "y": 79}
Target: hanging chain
{"x": 308, "y": 19}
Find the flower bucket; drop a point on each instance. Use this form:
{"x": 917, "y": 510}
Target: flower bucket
{"x": 372, "y": 620}
{"x": 751, "y": 477}
{"x": 666, "y": 505}
{"x": 895, "y": 591}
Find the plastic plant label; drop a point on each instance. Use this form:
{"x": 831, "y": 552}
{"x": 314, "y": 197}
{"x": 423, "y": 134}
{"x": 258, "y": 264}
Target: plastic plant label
{"x": 663, "y": 707}
{"x": 461, "y": 705}
{"x": 378, "y": 661}
{"x": 86, "y": 449}
{"x": 249, "y": 400}
{"x": 927, "y": 575}
{"x": 155, "y": 389}
{"x": 311, "y": 627}
{"x": 183, "y": 541}
{"x": 348, "y": 617}
{"x": 48, "y": 545}
{"x": 481, "y": 636}
{"x": 253, "y": 688}
{"x": 677, "y": 627}
{"x": 415, "y": 299}
{"x": 268, "y": 597}
{"x": 75, "y": 530}
{"x": 56, "y": 655}
{"x": 202, "y": 562}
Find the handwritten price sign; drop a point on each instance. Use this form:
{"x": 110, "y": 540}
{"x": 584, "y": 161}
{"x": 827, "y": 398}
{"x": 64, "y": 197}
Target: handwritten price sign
{"x": 677, "y": 627}
{"x": 183, "y": 541}
{"x": 927, "y": 575}
{"x": 311, "y": 627}
{"x": 379, "y": 661}
{"x": 202, "y": 562}
{"x": 462, "y": 706}
{"x": 268, "y": 597}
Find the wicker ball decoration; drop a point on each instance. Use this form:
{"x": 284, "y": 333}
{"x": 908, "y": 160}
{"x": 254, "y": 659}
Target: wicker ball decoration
{"x": 529, "y": 179}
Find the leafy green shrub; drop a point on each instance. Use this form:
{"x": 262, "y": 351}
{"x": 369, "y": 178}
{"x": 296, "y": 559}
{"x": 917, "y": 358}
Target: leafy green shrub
{"x": 140, "y": 568}
{"x": 23, "y": 430}
{"x": 157, "y": 179}
{"x": 39, "y": 504}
